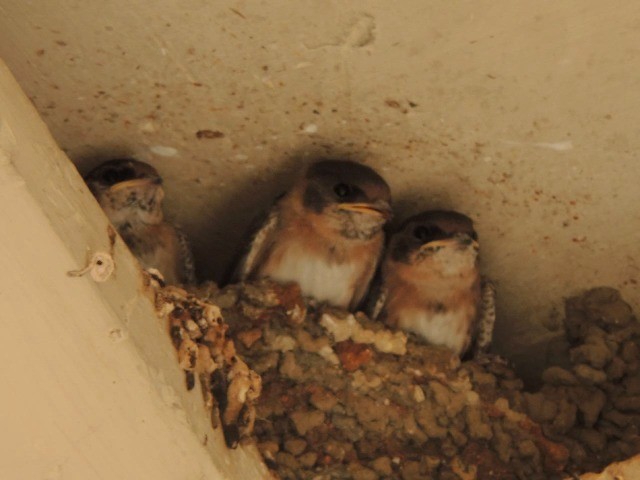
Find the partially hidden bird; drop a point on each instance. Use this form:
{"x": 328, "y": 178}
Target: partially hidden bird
{"x": 430, "y": 283}
{"x": 130, "y": 193}
{"x": 325, "y": 234}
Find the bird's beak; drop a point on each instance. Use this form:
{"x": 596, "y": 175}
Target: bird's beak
{"x": 473, "y": 244}
{"x": 135, "y": 183}
{"x": 460, "y": 240}
{"x": 436, "y": 245}
{"x": 465, "y": 240}
{"x": 380, "y": 209}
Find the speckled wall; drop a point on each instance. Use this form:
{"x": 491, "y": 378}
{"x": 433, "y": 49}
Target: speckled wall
{"x": 525, "y": 115}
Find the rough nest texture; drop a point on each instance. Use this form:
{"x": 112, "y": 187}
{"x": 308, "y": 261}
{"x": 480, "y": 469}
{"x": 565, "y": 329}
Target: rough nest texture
{"x": 205, "y": 352}
{"x": 344, "y": 397}
{"x": 593, "y": 405}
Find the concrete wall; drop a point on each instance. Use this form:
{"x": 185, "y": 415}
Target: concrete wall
{"x": 522, "y": 114}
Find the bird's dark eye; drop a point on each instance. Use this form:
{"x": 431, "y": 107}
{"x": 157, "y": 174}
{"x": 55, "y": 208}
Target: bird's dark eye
{"x": 342, "y": 190}
{"x": 474, "y": 236}
{"x": 115, "y": 175}
{"x": 424, "y": 233}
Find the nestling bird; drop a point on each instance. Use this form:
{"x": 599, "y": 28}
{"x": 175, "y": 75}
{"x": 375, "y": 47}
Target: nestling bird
{"x": 326, "y": 233}
{"x": 430, "y": 282}
{"x": 130, "y": 193}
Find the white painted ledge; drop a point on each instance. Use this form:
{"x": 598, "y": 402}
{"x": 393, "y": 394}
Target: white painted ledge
{"x": 90, "y": 385}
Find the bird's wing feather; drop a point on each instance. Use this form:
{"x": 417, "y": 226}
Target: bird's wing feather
{"x": 377, "y": 298}
{"x": 187, "y": 262}
{"x": 365, "y": 283}
{"x": 487, "y": 318}
{"x": 261, "y": 241}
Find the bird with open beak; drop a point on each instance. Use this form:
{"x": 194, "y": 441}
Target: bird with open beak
{"x": 430, "y": 282}
{"x": 326, "y": 233}
{"x": 130, "y": 193}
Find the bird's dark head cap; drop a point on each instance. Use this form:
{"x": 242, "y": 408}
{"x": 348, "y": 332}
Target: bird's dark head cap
{"x": 432, "y": 229}
{"x": 120, "y": 170}
{"x": 351, "y": 185}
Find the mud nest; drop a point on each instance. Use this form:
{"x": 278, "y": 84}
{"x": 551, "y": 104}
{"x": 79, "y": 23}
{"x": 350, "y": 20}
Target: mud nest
{"x": 207, "y": 355}
{"x": 343, "y": 397}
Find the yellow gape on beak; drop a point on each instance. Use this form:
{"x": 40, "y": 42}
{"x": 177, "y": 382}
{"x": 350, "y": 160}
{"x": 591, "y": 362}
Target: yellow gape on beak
{"x": 366, "y": 208}
{"x": 436, "y": 244}
{"x": 136, "y": 182}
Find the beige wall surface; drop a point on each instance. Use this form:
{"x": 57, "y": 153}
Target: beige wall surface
{"x": 525, "y": 115}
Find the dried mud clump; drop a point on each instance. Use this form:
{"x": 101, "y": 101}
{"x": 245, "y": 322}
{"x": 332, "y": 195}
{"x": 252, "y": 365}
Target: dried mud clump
{"x": 343, "y": 397}
{"x": 206, "y": 353}
{"x": 593, "y": 407}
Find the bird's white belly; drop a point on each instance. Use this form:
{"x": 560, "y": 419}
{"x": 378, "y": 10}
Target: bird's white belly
{"x": 318, "y": 278}
{"x": 446, "y": 329}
